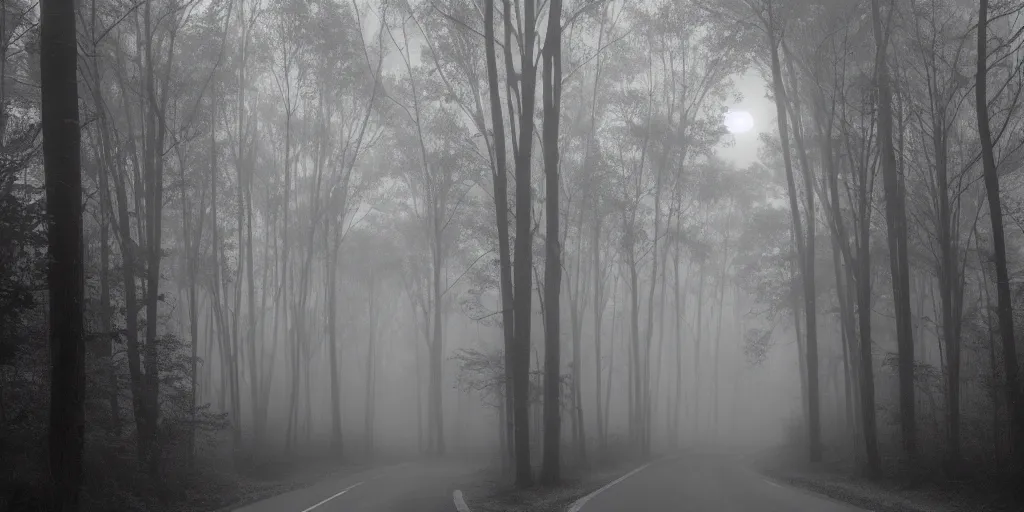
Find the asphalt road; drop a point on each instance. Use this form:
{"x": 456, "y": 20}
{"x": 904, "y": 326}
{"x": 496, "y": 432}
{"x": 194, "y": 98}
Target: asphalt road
{"x": 412, "y": 487}
{"x": 706, "y": 483}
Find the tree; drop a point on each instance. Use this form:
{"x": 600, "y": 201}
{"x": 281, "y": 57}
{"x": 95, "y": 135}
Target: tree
{"x": 1003, "y": 298}
{"x": 552, "y": 87}
{"x": 896, "y": 220}
{"x": 65, "y": 278}
{"x": 804, "y": 246}
{"x": 499, "y": 179}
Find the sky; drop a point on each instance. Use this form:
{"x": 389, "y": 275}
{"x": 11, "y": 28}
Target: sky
{"x": 742, "y": 150}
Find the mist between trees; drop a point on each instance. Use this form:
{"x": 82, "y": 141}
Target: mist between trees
{"x": 355, "y": 231}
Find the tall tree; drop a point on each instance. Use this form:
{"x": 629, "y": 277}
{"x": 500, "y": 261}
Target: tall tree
{"x": 773, "y": 27}
{"x": 499, "y": 179}
{"x": 1003, "y": 300}
{"x": 552, "y": 87}
{"x": 896, "y": 222}
{"x": 523, "y": 253}
{"x": 62, "y": 168}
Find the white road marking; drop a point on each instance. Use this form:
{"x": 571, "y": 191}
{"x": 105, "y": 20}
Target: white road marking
{"x": 578, "y": 504}
{"x": 460, "y": 501}
{"x": 769, "y": 482}
{"x": 347, "y": 489}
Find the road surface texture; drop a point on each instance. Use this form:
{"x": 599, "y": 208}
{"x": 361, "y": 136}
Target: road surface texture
{"x": 412, "y": 487}
{"x": 705, "y": 483}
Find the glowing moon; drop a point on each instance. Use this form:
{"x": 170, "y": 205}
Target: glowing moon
{"x": 739, "y": 121}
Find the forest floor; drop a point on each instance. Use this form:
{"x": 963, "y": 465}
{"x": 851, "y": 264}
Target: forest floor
{"x": 891, "y": 493}
{"x": 494, "y": 492}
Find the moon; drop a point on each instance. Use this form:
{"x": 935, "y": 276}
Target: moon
{"x": 739, "y": 121}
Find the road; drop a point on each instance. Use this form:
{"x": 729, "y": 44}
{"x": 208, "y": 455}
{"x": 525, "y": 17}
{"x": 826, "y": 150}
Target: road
{"x": 412, "y": 487}
{"x": 706, "y": 483}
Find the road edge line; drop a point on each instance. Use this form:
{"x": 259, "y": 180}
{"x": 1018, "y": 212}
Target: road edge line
{"x": 578, "y": 504}
{"x": 460, "y": 501}
{"x": 343, "y": 491}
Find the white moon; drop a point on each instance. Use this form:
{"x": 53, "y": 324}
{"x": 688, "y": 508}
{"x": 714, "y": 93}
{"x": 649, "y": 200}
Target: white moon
{"x": 739, "y": 121}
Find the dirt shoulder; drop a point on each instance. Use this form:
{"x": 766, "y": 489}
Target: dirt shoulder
{"x": 890, "y": 494}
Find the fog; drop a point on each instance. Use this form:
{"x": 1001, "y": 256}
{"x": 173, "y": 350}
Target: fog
{"x": 520, "y": 242}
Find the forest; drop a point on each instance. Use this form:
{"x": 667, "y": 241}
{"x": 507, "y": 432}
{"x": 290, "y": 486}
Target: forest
{"x": 248, "y": 243}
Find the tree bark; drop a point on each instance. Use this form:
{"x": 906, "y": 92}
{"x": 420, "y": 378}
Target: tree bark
{"x": 523, "y": 258}
{"x": 552, "y": 86}
{"x": 896, "y": 219}
{"x": 66, "y": 271}
{"x": 1014, "y": 393}
{"x": 805, "y": 256}
{"x": 500, "y": 180}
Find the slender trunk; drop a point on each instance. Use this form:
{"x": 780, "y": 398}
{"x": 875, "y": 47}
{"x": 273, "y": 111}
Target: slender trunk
{"x": 107, "y": 163}
{"x": 106, "y": 312}
{"x": 256, "y": 348}
{"x": 419, "y": 402}
{"x": 949, "y": 279}
{"x": 523, "y": 258}
{"x": 992, "y": 365}
{"x": 611, "y": 358}
{"x": 696, "y": 350}
{"x": 435, "y": 409}
{"x": 599, "y": 306}
{"x": 866, "y": 376}
{"x": 599, "y": 301}
{"x": 804, "y": 254}
{"x": 371, "y": 367}
{"x": 500, "y": 179}
{"x": 552, "y": 88}
{"x": 1015, "y": 400}
{"x": 679, "y": 300}
{"x": 718, "y": 342}
{"x": 337, "y": 444}
{"x": 895, "y": 215}
{"x": 285, "y": 228}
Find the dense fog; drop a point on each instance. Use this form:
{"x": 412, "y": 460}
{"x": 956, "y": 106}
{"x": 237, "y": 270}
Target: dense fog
{"x": 536, "y": 237}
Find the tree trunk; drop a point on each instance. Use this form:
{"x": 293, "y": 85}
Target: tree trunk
{"x": 435, "y": 407}
{"x": 552, "y": 86}
{"x": 599, "y": 305}
{"x": 867, "y": 376}
{"x": 523, "y": 258}
{"x": 680, "y": 305}
{"x": 949, "y": 281}
{"x": 896, "y": 223}
{"x": 1015, "y": 401}
{"x": 804, "y": 253}
{"x": 66, "y": 272}
{"x": 337, "y": 443}
{"x": 696, "y": 351}
{"x": 371, "y": 368}
{"x": 500, "y": 180}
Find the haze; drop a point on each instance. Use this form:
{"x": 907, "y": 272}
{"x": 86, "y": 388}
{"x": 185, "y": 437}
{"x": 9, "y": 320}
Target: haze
{"x": 467, "y": 255}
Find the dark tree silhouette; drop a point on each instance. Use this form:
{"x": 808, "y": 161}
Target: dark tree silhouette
{"x": 62, "y": 167}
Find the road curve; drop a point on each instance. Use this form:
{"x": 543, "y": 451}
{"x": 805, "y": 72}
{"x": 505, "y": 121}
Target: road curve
{"x": 412, "y": 487}
{"x": 706, "y": 483}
